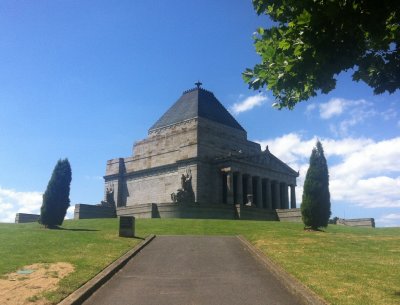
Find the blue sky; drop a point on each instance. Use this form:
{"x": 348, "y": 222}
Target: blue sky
{"x": 86, "y": 79}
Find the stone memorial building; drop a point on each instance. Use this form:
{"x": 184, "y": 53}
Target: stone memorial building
{"x": 197, "y": 162}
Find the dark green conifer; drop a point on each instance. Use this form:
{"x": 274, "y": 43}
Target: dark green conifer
{"x": 56, "y": 198}
{"x": 316, "y": 204}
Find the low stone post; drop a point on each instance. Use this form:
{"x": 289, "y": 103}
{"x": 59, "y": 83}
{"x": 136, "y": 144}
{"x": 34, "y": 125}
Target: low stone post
{"x": 127, "y": 226}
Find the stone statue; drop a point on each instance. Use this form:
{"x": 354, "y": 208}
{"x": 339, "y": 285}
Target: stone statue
{"x": 185, "y": 193}
{"x": 250, "y": 200}
{"x": 183, "y": 181}
{"x": 109, "y": 197}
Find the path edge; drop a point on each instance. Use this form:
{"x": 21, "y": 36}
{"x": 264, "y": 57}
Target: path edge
{"x": 84, "y": 292}
{"x": 306, "y": 295}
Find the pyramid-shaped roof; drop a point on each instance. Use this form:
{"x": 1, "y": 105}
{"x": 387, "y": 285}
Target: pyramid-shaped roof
{"x": 193, "y": 103}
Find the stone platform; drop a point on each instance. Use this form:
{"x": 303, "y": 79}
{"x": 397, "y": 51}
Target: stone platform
{"x": 210, "y": 211}
{"x": 25, "y": 218}
{"x": 192, "y": 211}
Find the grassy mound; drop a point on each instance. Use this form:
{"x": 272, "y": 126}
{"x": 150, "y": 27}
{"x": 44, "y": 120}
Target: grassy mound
{"x": 343, "y": 265}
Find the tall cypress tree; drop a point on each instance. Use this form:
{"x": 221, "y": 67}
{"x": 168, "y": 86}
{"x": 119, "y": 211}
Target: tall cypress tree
{"x": 316, "y": 204}
{"x": 56, "y": 198}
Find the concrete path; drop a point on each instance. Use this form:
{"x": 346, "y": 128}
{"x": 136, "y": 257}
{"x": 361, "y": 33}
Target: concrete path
{"x": 186, "y": 270}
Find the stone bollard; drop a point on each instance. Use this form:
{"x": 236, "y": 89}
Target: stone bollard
{"x": 127, "y": 226}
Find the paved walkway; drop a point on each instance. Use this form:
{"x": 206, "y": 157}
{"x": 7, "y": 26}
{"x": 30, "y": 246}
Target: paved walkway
{"x": 186, "y": 270}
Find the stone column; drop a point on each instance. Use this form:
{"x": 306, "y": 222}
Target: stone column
{"x": 119, "y": 194}
{"x": 269, "y": 194}
{"x": 285, "y": 197}
{"x": 259, "y": 192}
{"x": 249, "y": 186}
{"x": 220, "y": 188}
{"x": 239, "y": 189}
{"x": 229, "y": 187}
{"x": 277, "y": 192}
{"x": 292, "y": 196}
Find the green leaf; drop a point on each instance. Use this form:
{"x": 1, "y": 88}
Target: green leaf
{"x": 304, "y": 18}
{"x": 284, "y": 45}
{"x": 311, "y": 42}
{"x": 247, "y": 75}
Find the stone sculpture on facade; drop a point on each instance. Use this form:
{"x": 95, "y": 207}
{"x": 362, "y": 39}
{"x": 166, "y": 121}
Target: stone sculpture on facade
{"x": 249, "y": 200}
{"x": 185, "y": 194}
{"x": 109, "y": 202}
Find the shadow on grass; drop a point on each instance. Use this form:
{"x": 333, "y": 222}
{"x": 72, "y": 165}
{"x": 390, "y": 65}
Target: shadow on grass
{"x": 308, "y": 229}
{"x": 68, "y": 229}
{"x": 397, "y": 293}
{"x": 134, "y": 237}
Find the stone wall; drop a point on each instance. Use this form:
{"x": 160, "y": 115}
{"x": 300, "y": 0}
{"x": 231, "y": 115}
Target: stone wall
{"x": 253, "y": 213}
{"x": 87, "y": 211}
{"x": 140, "y": 189}
{"x": 170, "y": 145}
{"x": 215, "y": 140}
{"x": 292, "y": 215}
{"x": 357, "y": 222}
{"x": 203, "y": 211}
{"x": 24, "y": 218}
{"x": 174, "y": 210}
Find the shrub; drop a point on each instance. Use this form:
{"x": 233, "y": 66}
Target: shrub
{"x": 56, "y": 198}
{"x": 316, "y": 205}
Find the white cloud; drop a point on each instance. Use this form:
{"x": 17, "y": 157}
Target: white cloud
{"x": 363, "y": 172}
{"x": 310, "y": 108}
{"x": 389, "y": 114}
{"x": 249, "y": 103}
{"x": 372, "y": 158}
{"x": 356, "y": 116}
{"x": 12, "y": 202}
{"x": 87, "y": 177}
{"x": 332, "y": 108}
{"x": 70, "y": 212}
{"x": 351, "y": 112}
{"x": 338, "y": 106}
{"x": 390, "y": 220}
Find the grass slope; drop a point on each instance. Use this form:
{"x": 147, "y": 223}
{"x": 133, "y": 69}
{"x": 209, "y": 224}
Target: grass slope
{"x": 343, "y": 265}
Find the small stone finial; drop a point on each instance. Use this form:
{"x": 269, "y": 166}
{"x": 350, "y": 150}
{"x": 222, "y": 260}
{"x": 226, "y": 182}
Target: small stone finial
{"x": 198, "y": 84}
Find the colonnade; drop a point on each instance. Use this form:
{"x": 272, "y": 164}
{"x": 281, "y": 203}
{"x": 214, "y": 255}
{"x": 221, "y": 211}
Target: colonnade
{"x": 267, "y": 193}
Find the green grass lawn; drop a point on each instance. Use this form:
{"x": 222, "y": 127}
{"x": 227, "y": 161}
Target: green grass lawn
{"x": 343, "y": 265}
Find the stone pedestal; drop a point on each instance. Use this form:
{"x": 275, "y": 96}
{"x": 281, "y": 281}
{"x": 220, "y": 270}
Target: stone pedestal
{"x": 127, "y": 226}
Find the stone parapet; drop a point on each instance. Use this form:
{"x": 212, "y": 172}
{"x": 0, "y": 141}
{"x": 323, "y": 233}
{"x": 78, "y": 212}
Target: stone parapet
{"x": 175, "y": 210}
{"x": 137, "y": 210}
{"x": 253, "y": 213}
{"x": 200, "y": 211}
{"x": 24, "y": 218}
{"x": 291, "y": 215}
{"x": 88, "y": 211}
{"x": 357, "y": 222}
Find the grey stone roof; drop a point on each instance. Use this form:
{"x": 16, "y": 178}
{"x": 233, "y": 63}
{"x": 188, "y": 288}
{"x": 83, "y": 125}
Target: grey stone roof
{"x": 193, "y": 103}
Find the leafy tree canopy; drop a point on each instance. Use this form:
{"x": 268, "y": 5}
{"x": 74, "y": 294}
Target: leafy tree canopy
{"x": 312, "y": 41}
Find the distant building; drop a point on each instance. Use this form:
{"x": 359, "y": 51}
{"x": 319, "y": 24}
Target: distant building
{"x": 197, "y": 162}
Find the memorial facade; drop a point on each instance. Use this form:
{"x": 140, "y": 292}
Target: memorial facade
{"x": 197, "y": 155}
